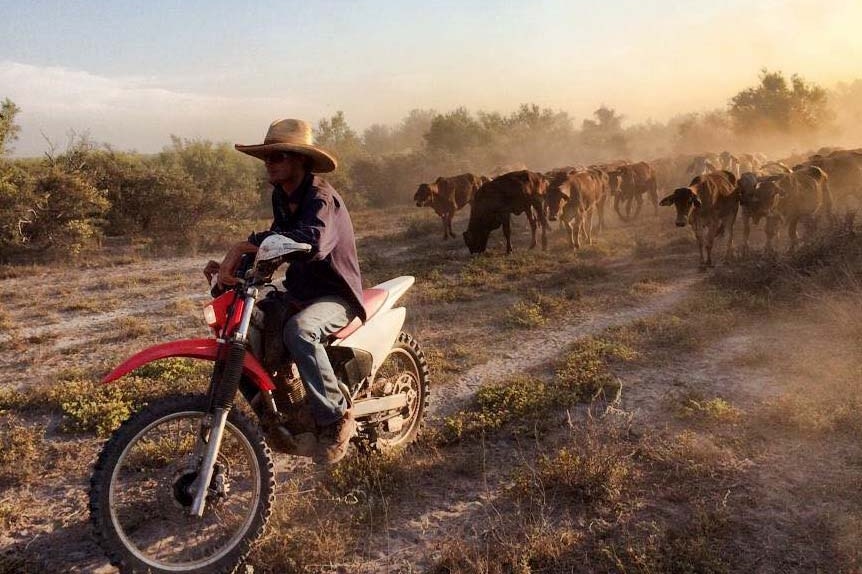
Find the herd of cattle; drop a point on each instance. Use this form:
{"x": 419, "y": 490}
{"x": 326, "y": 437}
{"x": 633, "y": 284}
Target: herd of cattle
{"x": 720, "y": 184}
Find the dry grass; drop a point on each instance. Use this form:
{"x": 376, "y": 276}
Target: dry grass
{"x": 127, "y": 328}
{"x": 592, "y": 467}
{"x": 86, "y": 406}
{"x": 538, "y": 308}
{"x": 21, "y": 447}
{"x": 693, "y": 406}
{"x": 454, "y": 358}
{"x": 551, "y": 490}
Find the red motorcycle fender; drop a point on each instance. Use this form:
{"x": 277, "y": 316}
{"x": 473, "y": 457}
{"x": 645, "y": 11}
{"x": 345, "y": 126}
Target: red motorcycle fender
{"x": 206, "y": 349}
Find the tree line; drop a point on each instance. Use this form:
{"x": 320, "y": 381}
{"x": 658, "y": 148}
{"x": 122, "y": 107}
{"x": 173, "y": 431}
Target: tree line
{"x": 198, "y": 191}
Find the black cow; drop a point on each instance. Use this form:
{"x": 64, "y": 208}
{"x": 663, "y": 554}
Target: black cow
{"x": 515, "y": 192}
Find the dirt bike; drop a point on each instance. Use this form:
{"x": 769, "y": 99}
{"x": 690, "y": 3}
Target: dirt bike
{"x": 186, "y": 484}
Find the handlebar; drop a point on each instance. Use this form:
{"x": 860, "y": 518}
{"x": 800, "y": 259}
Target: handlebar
{"x": 246, "y": 263}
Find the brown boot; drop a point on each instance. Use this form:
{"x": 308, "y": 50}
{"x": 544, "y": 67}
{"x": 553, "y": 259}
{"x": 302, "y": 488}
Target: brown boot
{"x": 333, "y": 440}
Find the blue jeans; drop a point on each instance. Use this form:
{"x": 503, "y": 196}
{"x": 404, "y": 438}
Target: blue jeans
{"x": 304, "y": 335}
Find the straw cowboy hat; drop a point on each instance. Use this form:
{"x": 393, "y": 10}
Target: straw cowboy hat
{"x": 295, "y": 136}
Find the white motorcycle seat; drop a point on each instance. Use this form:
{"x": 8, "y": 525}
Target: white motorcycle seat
{"x": 372, "y": 300}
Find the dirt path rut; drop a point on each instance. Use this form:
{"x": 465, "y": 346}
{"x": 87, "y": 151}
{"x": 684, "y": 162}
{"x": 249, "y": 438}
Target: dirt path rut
{"x": 539, "y": 346}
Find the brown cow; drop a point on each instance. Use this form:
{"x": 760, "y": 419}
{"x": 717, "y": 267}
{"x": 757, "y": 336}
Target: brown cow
{"x": 447, "y": 195}
{"x": 729, "y": 162}
{"x": 803, "y": 194}
{"x": 710, "y": 202}
{"x": 574, "y": 198}
{"x": 844, "y": 169}
{"x": 757, "y": 202}
{"x": 511, "y": 193}
{"x": 703, "y": 164}
{"x": 628, "y": 183}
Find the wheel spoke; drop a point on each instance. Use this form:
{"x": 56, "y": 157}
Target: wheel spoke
{"x": 151, "y": 506}
{"x": 402, "y": 372}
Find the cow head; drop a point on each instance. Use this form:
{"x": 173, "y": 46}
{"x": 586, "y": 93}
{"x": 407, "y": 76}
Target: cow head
{"x": 425, "y": 194}
{"x": 556, "y": 198}
{"x": 685, "y": 199}
{"x": 478, "y": 231}
{"x": 763, "y": 199}
{"x": 557, "y": 194}
{"x": 542, "y": 185}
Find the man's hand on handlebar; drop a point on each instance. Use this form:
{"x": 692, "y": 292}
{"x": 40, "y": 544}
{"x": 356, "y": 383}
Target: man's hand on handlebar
{"x": 231, "y": 261}
{"x": 210, "y": 270}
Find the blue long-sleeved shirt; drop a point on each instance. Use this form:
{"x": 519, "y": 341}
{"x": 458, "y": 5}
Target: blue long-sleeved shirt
{"x": 321, "y": 220}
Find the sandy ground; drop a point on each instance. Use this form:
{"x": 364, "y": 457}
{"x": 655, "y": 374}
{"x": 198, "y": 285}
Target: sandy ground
{"x": 55, "y": 533}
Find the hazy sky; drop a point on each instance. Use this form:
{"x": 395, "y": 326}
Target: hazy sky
{"x": 132, "y": 73}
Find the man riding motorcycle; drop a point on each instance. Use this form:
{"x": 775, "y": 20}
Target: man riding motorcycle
{"x": 323, "y": 287}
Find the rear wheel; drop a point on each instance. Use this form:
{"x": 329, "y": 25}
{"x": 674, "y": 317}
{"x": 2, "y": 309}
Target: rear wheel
{"x": 404, "y": 370}
{"x": 140, "y": 492}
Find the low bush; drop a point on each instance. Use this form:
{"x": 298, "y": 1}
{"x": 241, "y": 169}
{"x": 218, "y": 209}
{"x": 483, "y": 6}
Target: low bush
{"x": 525, "y": 403}
{"x": 716, "y": 409}
{"x": 21, "y": 447}
{"x": 90, "y": 407}
{"x": 831, "y": 259}
{"x": 589, "y": 470}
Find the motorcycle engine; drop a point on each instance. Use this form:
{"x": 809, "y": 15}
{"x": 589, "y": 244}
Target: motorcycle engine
{"x": 289, "y": 389}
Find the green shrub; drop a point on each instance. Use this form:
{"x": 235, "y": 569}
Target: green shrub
{"x": 534, "y": 310}
{"x": 526, "y": 314}
{"x": 583, "y": 374}
{"x": 88, "y": 406}
{"x": 715, "y": 409}
{"x": 518, "y": 399}
{"x": 588, "y": 472}
{"x": 16, "y": 201}
{"x": 21, "y": 445}
{"x": 67, "y": 214}
{"x": 374, "y": 475}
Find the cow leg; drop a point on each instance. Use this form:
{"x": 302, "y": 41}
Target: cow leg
{"x": 639, "y": 199}
{"x": 791, "y": 232}
{"x": 589, "y": 226}
{"x": 445, "y": 227}
{"x": 449, "y": 226}
{"x": 653, "y": 197}
{"x": 710, "y": 240}
{"x": 543, "y": 221}
{"x": 507, "y": 232}
{"x": 544, "y": 229}
{"x": 698, "y": 233}
{"x": 532, "y": 221}
{"x": 602, "y": 213}
{"x": 579, "y": 226}
{"x": 617, "y": 206}
{"x": 772, "y": 224}
{"x": 569, "y": 234}
{"x": 746, "y": 231}
{"x": 730, "y": 220}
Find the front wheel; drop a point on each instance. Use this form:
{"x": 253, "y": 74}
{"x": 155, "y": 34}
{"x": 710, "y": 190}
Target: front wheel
{"x": 140, "y": 492}
{"x": 404, "y": 370}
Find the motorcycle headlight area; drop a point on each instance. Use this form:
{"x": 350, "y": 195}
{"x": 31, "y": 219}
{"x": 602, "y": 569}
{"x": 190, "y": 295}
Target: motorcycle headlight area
{"x": 210, "y": 316}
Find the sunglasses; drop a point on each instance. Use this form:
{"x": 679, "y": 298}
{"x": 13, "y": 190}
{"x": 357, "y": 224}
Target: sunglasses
{"x": 276, "y": 157}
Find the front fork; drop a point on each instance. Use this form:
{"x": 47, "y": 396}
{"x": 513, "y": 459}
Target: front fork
{"x": 223, "y": 388}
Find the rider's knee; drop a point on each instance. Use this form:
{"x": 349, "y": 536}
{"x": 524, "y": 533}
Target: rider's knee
{"x": 297, "y": 334}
